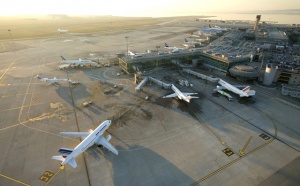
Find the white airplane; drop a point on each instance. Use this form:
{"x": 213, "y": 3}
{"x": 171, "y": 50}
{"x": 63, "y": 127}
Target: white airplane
{"x": 89, "y": 138}
{"x": 79, "y": 62}
{"x": 203, "y": 39}
{"x": 134, "y": 55}
{"x": 246, "y": 92}
{"x": 192, "y": 35}
{"x": 215, "y": 29}
{"x": 51, "y": 81}
{"x": 62, "y": 31}
{"x": 173, "y": 49}
{"x": 189, "y": 43}
{"x": 200, "y": 36}
{"x": 181, "y": 95}
{"x": 207, "y": 34}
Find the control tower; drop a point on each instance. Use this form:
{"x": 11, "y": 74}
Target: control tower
{"x": 256, "y": 22}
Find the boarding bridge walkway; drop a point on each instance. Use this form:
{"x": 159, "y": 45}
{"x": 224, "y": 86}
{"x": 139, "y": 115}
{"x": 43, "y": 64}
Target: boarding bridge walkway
{"x": 146, "y": 79}
{"x": 202, "y": 76}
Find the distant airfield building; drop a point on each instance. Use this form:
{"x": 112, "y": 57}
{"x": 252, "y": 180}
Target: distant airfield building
{"x": 146, "y": 62}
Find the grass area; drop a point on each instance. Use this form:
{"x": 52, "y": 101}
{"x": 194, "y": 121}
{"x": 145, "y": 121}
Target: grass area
{"x": 43, "y": 27}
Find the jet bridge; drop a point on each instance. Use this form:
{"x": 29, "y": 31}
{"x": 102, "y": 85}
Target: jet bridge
{"x": 164, "y": 85}
{"x": 141, "y": 84}
{"x": 202, "y": 76}
{"x": 146, "y": 79}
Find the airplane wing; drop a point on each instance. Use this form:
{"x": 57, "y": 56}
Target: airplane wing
{"x": 188, "y": 94}
{"x": 105, "y": 143}
{"x": 171, "y": 95}
{"x": 81, "y": 135}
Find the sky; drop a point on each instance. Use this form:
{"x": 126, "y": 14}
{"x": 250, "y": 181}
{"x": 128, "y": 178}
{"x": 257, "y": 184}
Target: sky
{"x": 142, "y": 8}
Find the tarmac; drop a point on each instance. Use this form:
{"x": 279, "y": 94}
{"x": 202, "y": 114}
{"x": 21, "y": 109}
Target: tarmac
{"x": 210, "y": 141}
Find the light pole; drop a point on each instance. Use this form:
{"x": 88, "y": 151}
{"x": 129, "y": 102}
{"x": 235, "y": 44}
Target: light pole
{"x": 12, "y": 39}
{"x": 157, "y": 47}
{"x": 127, "y": 44}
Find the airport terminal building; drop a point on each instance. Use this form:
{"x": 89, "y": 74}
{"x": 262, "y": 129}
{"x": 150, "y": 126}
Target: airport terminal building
{"x": 148, "y": 62}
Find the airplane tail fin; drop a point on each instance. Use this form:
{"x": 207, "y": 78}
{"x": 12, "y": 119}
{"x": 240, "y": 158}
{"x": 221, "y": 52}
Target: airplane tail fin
{"x": 131, "y": 53}
{"x": 37, "y": 76}
{"x": 189, "y": 98}
{"x": 246, "y": 89}
{"x": 185, "y": 40}
{"x": 59, "y": 158}
{"x": 64, "y": 153}
{"x": 71, "y": 161}
{"x": 166, "y": 45}
{"x": 63, "y": 58}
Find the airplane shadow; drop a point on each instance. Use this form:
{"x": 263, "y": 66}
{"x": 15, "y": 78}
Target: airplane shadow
{"x": 141, "y": 166}
{"x": 79, "y": 93}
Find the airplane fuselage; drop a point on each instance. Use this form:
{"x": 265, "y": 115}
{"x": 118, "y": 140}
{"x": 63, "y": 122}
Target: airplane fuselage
{"x": 53, "y": 80}
{"x": 78, "y": 62}
{"x": 192, "y": 42}
{"x": 232, "y": 88}
{"x": 179, "y": 94}
{"x": 88, "y": 141}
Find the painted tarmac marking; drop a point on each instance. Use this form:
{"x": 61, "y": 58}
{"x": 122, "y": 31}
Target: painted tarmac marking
{"x": 50, "y": 178}
{"x": 14, "y": 180}
{"x": 7, "y": 69}
{"x": 47, "y": 176}
{"x": 228, "y": 152}
{"x": 234, "y": 161}
{"x": 264, "y": 136}
{"x": 246, "y": 145}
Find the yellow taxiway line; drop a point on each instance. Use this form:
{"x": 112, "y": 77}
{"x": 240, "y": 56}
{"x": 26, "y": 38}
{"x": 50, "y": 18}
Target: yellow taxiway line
{"x": 14, "y": 180}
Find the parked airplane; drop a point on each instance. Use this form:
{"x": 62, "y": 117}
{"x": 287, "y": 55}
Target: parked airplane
{"x": 203, "y": 39}
{"x": 181, "y": 95}
{"x": 218, "y": 28}
{"x": 89, "y": 138}
{"x": 246, "y": 92}
{"x": 51, "y": 81}
{"x": 62, "y": 31}
{"x": 192, "y": 35}
{"x": 207, "y": 34}
{"x": 189, "y": 43}
{"x": 134, "y": 55}
{"x": 79, "y": 62}
{"x": 173, "y": 49}
{"x": 213, "y": 29}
